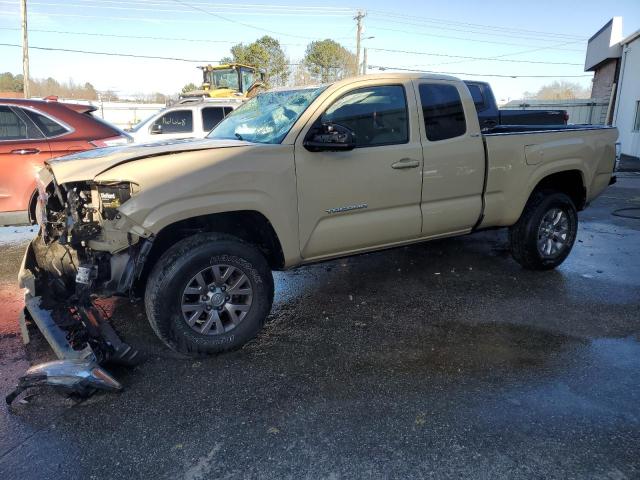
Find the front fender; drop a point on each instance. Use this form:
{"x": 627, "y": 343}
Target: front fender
{"x": 282, "y": 220}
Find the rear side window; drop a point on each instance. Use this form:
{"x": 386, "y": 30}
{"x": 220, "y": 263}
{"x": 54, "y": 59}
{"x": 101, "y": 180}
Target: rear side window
{"x": 11, "y": 126}
{"x": 211, "y": 116}
{"x": 442, "y": 111}
{"x": 49, "y": 127}
{"x": 227, "y": 111}
{"x": 377, "y": 115}
{"x": 177, "y": 121}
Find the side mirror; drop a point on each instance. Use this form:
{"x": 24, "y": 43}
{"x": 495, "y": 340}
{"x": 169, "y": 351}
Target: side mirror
{"x": 156, "y": 128}
{"x": 330, "y": 137}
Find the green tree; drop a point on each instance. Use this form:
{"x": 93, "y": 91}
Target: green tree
{"x": 266, "y": 55}
{"x": 327, "y": 61}
{"x": 10, "y": 82}
{"x": 189, "y": 87}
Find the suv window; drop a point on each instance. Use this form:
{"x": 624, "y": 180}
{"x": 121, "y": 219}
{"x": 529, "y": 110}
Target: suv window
{"x": 177, "y": 121}
{"x": 377, "y": 115}
{"x": 11, "y": 126}
{"x": 442, "y": 111}
{"x": 47, "y": 126}
{"x": 211, "y": 116}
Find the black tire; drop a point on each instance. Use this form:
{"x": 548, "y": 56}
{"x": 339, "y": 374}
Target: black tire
{"x": 172, "y": 273}
{"x": 523, "y": 236}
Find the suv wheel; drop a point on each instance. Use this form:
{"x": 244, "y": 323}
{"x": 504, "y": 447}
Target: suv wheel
{"x": 208, "y": 294}
{"x": 546, "y": 231}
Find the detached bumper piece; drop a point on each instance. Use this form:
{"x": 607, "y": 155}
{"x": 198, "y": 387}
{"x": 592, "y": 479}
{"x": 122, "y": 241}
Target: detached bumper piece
{"x": 81, "y": 377}
{"x": 77, "y": 331}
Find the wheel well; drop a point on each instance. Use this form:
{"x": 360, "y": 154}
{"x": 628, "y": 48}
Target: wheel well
{"x": 33, "y": 201}
{"x": 250, "y": 226}
{"x": 568, "y": 182}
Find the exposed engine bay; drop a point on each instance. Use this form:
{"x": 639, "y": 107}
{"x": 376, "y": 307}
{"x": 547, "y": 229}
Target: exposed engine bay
{"x": 84, "y": 251}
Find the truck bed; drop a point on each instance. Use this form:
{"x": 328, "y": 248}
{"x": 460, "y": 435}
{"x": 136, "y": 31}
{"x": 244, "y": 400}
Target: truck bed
{"x": 518, "y": 157}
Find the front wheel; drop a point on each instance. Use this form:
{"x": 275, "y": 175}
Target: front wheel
{"x": 546, "y": 231}
{"x": 208, "y": 294}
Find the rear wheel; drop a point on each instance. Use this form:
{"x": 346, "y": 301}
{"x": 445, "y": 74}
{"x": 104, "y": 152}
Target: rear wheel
{"x": 546, "y": 231}
{"x": 208, "y": 294}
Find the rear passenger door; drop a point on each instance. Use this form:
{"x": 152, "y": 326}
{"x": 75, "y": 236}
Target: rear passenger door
{"x": 23, "y": 150}
{"x": 454, "y": 160}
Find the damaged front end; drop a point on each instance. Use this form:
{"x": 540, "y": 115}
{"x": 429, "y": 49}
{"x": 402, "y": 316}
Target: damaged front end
{"x": 85, "y": 250}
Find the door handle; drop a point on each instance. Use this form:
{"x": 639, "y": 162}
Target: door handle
{"x": 405, "y": 163}
{"x": 25, "y": 151}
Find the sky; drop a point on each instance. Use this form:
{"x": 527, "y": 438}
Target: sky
{"x": 536, "y": 41}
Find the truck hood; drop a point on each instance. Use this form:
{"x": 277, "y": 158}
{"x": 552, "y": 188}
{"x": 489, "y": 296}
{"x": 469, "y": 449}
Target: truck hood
{"x": 91, "y": 163}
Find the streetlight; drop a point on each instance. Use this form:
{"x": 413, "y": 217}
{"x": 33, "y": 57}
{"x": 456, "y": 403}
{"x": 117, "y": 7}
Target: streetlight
{"x": 364, "y": 58}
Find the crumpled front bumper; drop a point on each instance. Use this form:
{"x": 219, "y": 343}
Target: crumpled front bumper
{"x": 76, "y": 370}
{"x": 55, "y": 336}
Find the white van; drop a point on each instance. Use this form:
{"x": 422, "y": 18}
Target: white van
{"x": 186, "y": 119}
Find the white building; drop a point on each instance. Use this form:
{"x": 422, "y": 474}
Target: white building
{"x": 615, "y": 61}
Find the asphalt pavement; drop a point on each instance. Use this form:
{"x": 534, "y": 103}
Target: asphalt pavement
{"x": 439, "y": 360}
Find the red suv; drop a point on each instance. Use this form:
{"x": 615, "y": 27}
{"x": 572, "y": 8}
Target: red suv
{"x": 32, "y": 131}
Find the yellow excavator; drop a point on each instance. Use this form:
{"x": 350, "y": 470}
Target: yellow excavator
{"x": 232, "y": 80}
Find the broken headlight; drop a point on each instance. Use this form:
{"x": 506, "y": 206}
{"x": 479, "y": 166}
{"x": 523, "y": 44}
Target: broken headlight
{"x": 112, "y": 196}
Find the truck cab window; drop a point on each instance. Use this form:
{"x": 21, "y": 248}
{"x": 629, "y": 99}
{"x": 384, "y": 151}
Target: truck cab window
{"x": 442, "y": 111}
{"x": 377, "y": 115}
{"x": 476, "y": 94}
{"x": 177, "y": 121}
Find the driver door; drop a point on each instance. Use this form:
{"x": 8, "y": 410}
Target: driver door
{"x": 367, "y": 197}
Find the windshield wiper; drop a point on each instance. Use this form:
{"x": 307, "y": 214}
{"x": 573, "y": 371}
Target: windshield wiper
{"x": 238, "y": 136}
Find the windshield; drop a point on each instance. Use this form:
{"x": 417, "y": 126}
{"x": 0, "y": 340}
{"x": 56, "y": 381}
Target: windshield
{"x": 266, "y": 118}
{"x": 227, "y": 78}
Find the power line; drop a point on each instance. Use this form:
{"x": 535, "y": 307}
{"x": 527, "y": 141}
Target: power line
{"x": 403, "y": 69}
{"x": 111, "y": 54}
{"x": 472, "y": 31}
{"x": 440, "y": 21}
{"x": 227, "y": 6}
{"x": 130, "y": 8}
{"x": 467, "y": 39}
{"x": 521, "y": 52}
{"x": 143, "y": 20}
{"x": 143, "y": 37}
{"x": 379, "y": 67}
{"x": 247, "y": 25}
{"x": 493, "y": 59}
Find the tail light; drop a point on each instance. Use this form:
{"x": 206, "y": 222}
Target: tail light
{"x": 112, "y": 141}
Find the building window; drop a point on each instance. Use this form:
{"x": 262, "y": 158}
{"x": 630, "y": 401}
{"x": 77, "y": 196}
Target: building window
{"x": 636, "y": 122}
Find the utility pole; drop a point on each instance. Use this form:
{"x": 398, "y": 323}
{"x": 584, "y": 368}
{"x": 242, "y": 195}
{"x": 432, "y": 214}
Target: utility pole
{"x": 25, "y": 50}
{"x": 364, "y": 62}
{"x": 358, "y": 18}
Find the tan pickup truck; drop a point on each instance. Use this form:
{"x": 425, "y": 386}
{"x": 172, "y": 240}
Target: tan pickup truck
{"x": 293, "y": 176}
